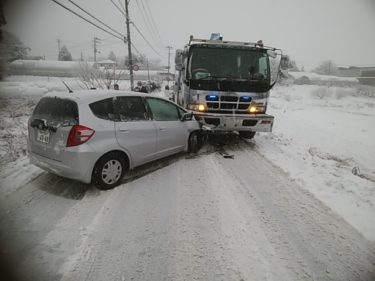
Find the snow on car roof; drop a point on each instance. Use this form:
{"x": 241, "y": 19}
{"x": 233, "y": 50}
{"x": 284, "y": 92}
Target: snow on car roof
{"x": 93, "y": 95}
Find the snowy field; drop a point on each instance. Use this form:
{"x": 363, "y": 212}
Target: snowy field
{"x": 323, "y": 137}
{"x": 295, "y": 204}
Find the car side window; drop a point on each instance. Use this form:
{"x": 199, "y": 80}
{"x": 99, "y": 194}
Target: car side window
{"x": 103, "y": 109}
{"x": 130, "y": 109}
{"x": 163, "y": 110}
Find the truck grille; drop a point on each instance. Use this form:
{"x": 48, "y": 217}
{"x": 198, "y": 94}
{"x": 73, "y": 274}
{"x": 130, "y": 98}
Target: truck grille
{"x": 227, "y": 104}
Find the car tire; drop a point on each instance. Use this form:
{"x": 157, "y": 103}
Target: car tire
{"x": 109, "y": 171}
{"x": 193, "y": 143}
{"x": 247, "y": 134}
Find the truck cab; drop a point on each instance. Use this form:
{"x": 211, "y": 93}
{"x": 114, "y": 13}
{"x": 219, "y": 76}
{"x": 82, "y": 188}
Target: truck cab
{"x": 227, "y": 84}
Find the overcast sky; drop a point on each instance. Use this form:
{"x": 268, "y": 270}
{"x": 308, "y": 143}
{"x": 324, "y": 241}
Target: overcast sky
{"x": 309, "y": 31}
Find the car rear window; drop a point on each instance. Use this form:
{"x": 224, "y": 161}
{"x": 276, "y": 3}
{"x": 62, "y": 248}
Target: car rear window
{"x": 103, "y": 109}
{"x": 57, "y": 110}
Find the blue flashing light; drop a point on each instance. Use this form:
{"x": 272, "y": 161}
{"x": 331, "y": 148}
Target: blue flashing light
{"x": 246, "y": 98}
{"x": 213, "y": 98}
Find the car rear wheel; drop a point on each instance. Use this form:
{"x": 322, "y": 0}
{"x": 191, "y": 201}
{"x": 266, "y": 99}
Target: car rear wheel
{"x": 247, "y": 134}
{"x": 109, "y": 171}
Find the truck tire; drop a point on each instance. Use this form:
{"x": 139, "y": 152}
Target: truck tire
{"x": 247, "y": 134}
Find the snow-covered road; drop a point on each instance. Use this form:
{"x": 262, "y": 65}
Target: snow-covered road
{"x": 192, "y": 218}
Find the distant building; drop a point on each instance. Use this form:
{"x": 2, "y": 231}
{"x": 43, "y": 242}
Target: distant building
{"x": 365, "y": 75}
{"x": 311, "y": 78}
{"x": 106, "y": 63}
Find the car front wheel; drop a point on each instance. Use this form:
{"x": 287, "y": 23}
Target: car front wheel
{"x": 193, "y": 144}
{"x": 109, "y": 171}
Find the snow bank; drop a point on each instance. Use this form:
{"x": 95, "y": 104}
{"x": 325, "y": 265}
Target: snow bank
{"x": 324, "y": 138}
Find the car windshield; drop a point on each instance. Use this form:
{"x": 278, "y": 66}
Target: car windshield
{"x": 228, "y": 63}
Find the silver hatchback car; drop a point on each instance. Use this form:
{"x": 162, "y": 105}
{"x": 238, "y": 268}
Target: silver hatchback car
{"x": 95, "y": 136}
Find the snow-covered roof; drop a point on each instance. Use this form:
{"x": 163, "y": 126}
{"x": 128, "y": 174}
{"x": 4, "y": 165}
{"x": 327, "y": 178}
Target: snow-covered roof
{"x": 106, "y": 62}
{"x": 47, "y": 63}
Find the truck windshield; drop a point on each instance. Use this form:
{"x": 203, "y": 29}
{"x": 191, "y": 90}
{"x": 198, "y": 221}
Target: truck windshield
{"x": 228, "y": 63}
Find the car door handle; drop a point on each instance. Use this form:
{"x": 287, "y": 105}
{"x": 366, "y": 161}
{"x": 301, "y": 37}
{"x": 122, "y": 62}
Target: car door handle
{"x": 124, "y": 131}
{"x": 162, "y": 128}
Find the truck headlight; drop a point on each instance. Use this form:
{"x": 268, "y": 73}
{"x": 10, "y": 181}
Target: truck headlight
{"x": 197, "y": 107}
{"x": 257, "y": 109}
{"x": 201, "y": 107}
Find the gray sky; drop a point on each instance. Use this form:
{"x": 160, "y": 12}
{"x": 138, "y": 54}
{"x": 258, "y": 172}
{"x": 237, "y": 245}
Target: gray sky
{"x": 310, "y": 31}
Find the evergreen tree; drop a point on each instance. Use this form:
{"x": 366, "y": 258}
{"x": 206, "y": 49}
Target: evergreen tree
{"x": 12, "y": 48}
{"x": 65, "y": 55}
{"x": 112, "y": 56}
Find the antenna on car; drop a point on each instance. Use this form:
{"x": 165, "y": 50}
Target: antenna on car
{"x": 70, "y": 90}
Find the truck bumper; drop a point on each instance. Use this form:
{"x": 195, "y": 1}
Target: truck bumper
{"x": 238, "y": 122}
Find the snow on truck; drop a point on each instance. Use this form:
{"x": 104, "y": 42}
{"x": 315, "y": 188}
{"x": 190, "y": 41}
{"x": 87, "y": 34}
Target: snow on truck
{"x": 227, "y": 84}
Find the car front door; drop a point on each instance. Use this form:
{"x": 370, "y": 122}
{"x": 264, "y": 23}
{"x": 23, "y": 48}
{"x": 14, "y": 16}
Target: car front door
{"x": 135, "y": 131}
{"x": 172, "y": 133}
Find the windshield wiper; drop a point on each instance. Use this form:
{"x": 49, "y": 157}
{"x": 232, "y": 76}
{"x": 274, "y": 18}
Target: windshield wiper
{"x": 211, "y": 77}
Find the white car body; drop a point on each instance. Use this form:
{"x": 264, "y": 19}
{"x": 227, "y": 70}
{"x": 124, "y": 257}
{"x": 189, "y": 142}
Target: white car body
{"x": 161, "y": 130}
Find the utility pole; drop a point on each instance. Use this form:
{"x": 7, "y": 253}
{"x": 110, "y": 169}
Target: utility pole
{"x": 96, "y": 40}
{"x": 169, "y": 62}
{"x": 148, "y": 71}
{"x": 129, "y": 45}
{"x": 58, "y": 45}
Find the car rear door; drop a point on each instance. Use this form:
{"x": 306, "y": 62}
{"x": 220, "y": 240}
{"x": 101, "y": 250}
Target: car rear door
{"x": 49, "y": 126}
{"x": 172, "y": 133}
{"x": 135, "y": 131}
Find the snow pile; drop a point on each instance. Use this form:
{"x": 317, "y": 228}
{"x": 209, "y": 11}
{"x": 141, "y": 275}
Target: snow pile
{"x": 317, "y": 77}
{"x": 324, "y": 138}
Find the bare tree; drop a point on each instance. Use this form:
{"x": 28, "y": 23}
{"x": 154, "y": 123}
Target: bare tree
{"x": 326, "y": 68}
{"x": 91, "y": 76}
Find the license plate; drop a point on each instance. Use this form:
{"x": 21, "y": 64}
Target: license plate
{"x": 43, "y": 136}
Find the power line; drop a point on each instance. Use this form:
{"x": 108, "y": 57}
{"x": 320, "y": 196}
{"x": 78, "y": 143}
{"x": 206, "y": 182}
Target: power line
{"x": 97, "y": 26}
{"x": 124, "y": 13}
{"x": 122, "y": 6}
{"x": 79, "y": 7}
{"x": 139, "y": 53}
{"x": 153, "y": 21}
{"x": 119, "y": 9}
{"x": 146, "y": 21}
{"x": 148, "y": 43}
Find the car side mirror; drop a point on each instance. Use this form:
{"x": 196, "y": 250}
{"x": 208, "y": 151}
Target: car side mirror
{"x": 188, "y": 116}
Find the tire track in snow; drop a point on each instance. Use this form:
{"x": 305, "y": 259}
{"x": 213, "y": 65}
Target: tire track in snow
{"x": 302, "y": 226}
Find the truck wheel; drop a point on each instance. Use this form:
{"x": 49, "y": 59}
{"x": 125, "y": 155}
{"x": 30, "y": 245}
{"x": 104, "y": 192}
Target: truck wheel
{"x": 109, "y": 171}
{"x": 247, "y": 134}
{"x": 193, "y": 143}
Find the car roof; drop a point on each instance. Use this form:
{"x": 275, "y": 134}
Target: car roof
{"x": 88, "y": 96}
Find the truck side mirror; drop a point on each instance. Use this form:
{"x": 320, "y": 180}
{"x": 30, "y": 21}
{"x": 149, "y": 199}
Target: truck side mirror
{"x": 271, "y": 53}
{"x": 179, "y": 59}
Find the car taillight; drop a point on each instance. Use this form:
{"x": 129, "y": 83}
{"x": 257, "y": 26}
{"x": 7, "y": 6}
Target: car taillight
{"x": 78, "y": 135}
